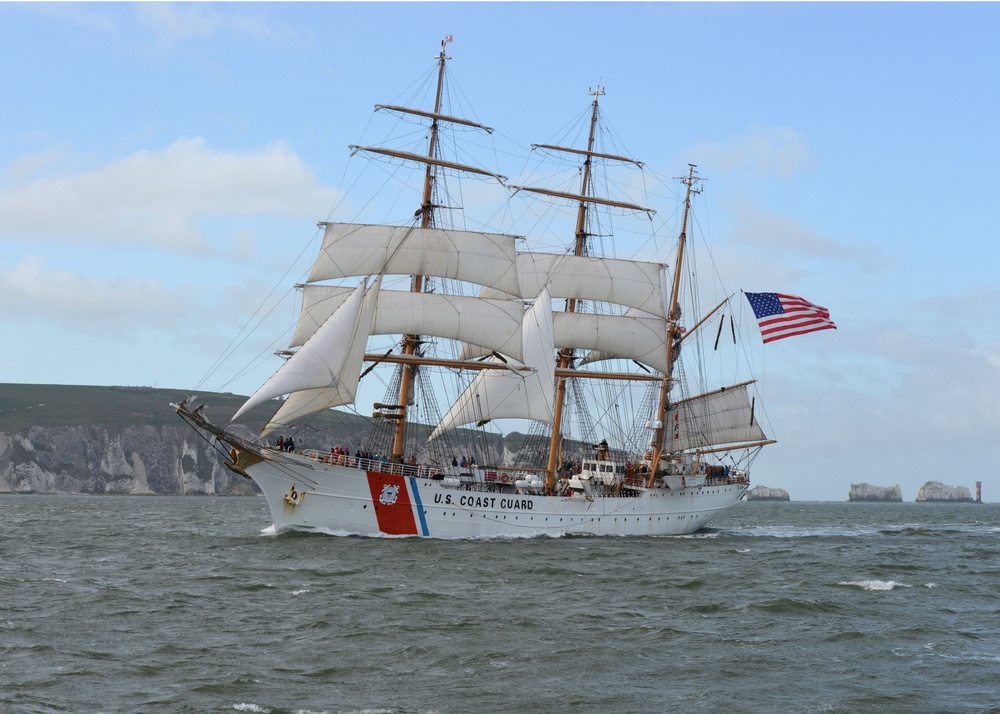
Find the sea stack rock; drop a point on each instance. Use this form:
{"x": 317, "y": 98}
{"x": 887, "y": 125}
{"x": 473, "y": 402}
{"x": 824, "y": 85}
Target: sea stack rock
{"x": 763, "y": 493}
{"x": 937, "y": 492}
{"x": 868, "y": 492}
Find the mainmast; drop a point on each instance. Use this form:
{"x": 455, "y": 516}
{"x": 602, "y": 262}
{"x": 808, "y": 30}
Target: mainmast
{"x": 674, "y": 333}
{"x": 425, "y": 219}
{"x": 565, "y": 356}
{"x": 584, "y": 199}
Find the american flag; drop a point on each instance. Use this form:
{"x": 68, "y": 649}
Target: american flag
{"x": 448, "y": 38}
{"x": 780, "y": 316}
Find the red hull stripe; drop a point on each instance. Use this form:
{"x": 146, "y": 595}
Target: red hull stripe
{"x": 391, "y": 500}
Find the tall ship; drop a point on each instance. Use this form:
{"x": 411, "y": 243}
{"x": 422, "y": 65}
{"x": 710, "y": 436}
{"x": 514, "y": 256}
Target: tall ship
{"x": 594, "y": 362}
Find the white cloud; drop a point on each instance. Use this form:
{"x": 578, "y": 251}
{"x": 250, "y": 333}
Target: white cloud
{"x": 33, "y": 292}
{"x": 176, "y": 23}
{"x": 763, "y": 150}
{"x": 144, "y": 28}
{"x": 23, "y": 168}
{"x": 157, "y": 198}
{"x": 781, "y": 234}
{"x": 790, "y": 243}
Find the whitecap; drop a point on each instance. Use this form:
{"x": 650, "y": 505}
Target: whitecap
{"x": 299, "y": 592}
{"x": 335, "y": 532}
{"x": 878, "y": 585}
{"x": 248, "y": 707}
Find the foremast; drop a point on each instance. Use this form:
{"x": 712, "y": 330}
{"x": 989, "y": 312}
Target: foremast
{"x": 410, "y": 342}
{"x": 409, "y": 359}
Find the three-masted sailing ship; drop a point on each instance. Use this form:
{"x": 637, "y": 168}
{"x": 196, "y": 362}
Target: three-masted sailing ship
{"x": 531, "y": 339}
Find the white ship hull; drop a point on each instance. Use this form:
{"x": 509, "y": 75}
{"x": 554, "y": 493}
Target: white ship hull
{"x": 309, "y": 495}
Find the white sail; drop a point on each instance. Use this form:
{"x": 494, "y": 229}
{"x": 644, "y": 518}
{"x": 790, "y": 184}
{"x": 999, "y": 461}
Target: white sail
{"x": 503, "y": 394}
{"x": 495, "y": 325}
{"x": 637, "y": 335}
{"x": 319, "y": 361}
{"x": 344, "y": 388}
{"x": 607, "y": 336}
{"x": 641, "y": 339}
{"x": 616, "y": 351}
{"x": 353, "y": 249}
{"x": 713, "y": 419}
{"x": 624, "y": 282}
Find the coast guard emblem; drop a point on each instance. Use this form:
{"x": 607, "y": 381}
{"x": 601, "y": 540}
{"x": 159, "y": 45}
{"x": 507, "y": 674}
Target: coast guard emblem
{"x": 389, "y": 495}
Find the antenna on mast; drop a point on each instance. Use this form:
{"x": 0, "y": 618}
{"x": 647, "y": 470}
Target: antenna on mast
{"x": 691, "y": 180}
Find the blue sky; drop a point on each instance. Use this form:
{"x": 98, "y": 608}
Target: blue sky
{"x": 162, "y": 165}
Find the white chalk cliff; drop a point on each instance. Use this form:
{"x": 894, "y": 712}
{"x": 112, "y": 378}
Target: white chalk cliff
{"x": 937, "y": 491}
{"x": 868, "y": 492}
{"x": 131, "y": 460}
{"x": 764, "y": 493}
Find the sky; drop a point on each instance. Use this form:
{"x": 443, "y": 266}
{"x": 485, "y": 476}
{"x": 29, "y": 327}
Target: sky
{"x": 162, "y": 167}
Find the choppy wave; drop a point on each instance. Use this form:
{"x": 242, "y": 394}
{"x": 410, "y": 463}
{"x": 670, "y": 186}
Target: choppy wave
{"x": 799, "y": 532}
{"x": 214, "y": 617}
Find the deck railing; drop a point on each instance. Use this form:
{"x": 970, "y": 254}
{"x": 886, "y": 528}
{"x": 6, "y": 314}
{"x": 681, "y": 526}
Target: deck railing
{"x": 379, "y": 465}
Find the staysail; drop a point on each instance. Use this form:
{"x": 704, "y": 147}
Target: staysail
{"x": 319, "y": 361}
{"x": 312, "y": 398}
{"x": 506, "y": 394}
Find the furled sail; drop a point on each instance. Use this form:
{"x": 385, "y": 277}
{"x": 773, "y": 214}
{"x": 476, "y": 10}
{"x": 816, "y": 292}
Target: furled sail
{"x": 318, "y": 362}
{"x": 354, "y": 249}
{"x": 433, "y": 115}
{"x": 495, "y": 325}
{"x": 343, "y": 390}
{"x": 713, "y": 419}
{"x": 503, "y": 394}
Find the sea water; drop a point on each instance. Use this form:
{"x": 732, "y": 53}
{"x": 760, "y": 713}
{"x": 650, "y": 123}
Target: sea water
{"x": 187, "y": 604}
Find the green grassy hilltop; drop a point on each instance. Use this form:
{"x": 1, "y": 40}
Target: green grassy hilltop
{"x": 26, "y": 405}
